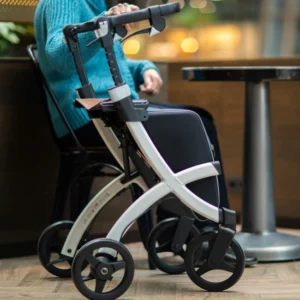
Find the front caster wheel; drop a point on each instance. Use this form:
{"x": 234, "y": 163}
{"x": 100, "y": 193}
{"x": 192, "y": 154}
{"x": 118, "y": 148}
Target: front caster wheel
{"x": 159, "y": 247}
{"x": 196, "y": 263}
{"x": 108, "y": 277}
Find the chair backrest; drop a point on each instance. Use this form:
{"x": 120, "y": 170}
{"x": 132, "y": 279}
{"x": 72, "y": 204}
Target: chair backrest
{"x": 33, "y": 53}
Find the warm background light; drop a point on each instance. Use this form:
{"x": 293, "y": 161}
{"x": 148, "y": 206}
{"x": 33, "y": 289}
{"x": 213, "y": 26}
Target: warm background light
{"x": 190, "y": 45}
{"x": 205, "y": 6}
{"x": 198, "y": 3}
{"x": 181, "y": 2}
{"x": 176, "y": 35}
{"x": 132, "y": 47}
{"x": 162, "y": 50}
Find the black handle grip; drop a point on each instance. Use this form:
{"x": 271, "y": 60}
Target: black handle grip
{"x": 144, "y": 14}
{"x": 136, "y": 16}
{"x": 131, "y": 17}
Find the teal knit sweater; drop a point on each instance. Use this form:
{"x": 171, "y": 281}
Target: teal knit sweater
{"x": 58, "y": 66}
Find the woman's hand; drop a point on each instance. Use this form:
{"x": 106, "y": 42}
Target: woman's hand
{"x": 152, "y": 82}
{"x": 122, "y": 9}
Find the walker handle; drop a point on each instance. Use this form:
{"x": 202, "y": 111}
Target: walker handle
{"x": 144, "y": 14}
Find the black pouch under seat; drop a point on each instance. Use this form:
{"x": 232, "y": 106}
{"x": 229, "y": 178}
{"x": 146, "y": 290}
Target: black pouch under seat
{"x": 180, "y": 137}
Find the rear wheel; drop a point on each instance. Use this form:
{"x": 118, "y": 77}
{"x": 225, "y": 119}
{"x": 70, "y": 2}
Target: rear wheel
{"x": 159, "y": 247}
{"x": 50, "y": 246}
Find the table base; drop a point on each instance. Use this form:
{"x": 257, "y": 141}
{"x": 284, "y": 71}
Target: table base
{"x": 270, "y": 246}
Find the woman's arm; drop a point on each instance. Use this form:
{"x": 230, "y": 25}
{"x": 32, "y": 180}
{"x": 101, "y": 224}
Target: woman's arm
{"x": 58, "y": 14}
{"x": 138, "y": 68}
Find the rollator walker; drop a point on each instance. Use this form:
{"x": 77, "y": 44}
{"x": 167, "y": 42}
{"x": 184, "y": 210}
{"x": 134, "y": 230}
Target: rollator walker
{"x": 130, "y": 131}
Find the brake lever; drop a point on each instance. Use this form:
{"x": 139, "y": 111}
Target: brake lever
{"x": 157, "y": 25}
{"x": 142, "y": 31}
{"x": 120, "y": 32}
{"x": 157, "y": 22}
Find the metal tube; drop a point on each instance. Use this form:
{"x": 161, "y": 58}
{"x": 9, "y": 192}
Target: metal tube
{"x": 258, "y": 186}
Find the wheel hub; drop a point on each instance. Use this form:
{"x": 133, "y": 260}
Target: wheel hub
{"x": 104, "y": 271}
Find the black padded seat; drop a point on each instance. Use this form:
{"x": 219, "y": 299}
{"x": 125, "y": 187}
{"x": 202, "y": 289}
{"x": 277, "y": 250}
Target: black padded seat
{"x": 180, "y": 137}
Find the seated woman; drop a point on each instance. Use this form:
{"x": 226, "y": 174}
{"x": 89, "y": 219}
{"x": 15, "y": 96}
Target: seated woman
{"x": 58, "y": 67}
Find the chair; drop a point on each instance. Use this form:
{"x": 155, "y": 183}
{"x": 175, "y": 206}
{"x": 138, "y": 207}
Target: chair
{"x": 80, "y": 165}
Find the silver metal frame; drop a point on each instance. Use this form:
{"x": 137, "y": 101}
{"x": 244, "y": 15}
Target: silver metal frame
{"x": 170, "y": 183}
{"x": 92, "y": 209}
{"x": 104, "y": 196}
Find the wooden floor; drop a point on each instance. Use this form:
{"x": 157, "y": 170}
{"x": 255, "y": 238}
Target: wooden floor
{"x": 24, "y": 278}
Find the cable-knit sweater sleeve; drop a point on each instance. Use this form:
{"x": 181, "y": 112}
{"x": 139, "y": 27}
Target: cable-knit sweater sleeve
{"x": 58, "y": 14}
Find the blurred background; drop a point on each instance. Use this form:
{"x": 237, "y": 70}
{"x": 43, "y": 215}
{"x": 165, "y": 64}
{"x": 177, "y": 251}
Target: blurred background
{"x": 205, "y": 29}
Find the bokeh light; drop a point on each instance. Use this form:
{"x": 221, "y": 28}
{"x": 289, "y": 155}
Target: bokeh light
{"x": 190, "y": 45}
{"x": 132, "y": 47}
{"x": 181, "y": 2}
{"x": 198, "y": 3}
{"x": 163, "y": 50}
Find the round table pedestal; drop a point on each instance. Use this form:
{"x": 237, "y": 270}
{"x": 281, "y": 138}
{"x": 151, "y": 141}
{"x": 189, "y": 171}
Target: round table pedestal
{"x": 259, "y": 237}
{"x": 270, "y": 246}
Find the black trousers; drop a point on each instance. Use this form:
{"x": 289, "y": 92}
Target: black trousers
{"x": 89, "y": 136}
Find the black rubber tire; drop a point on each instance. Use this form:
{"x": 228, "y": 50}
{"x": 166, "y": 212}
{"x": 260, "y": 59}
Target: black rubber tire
{"x": 166, "y": 225}
{"x": 44, "y": 248}
{"x": 80, "y": 260}
{"x": 193, "y": 247}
